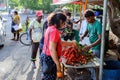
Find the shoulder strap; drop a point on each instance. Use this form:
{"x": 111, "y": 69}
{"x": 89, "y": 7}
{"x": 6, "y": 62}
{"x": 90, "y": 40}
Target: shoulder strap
{"x": 46, "y": 45}
{"x": 47, "y": 41}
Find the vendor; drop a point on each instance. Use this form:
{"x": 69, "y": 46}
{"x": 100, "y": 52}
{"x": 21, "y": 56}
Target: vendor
{"x": 68, "y": 32}
{"x": 94, "y": 30}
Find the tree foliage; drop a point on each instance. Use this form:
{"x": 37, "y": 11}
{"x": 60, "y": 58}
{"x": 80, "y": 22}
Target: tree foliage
{"x": 13, "y": 3}
{"x": 36, "y": 4}
{"x": 31, "y": 4}
{"x": 46, "y": 5}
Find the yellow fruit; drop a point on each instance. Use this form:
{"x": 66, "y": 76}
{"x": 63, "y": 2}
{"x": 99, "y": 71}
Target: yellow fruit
{"x": 90, "y": 51}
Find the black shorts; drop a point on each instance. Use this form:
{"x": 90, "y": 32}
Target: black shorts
{"x": 13, "y": 30}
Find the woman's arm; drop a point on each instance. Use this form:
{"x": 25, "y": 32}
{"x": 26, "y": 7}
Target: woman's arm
{"x": 53, "y": 51}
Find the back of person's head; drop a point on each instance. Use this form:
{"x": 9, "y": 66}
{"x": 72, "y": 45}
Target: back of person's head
{"x": 27, "y": 18}
{"x": 89, "y": 13}
{"x": 68, "y": 14}
{"x": 65, "y": 10}
{"x": 15, "y": 12}
{"x": 54, "y": 18}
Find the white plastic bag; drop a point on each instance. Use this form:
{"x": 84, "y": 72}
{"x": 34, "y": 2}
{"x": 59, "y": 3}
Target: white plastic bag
{"x": 17, "y": 27}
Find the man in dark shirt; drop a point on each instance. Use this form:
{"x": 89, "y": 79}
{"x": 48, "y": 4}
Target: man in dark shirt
{"x": 45, "y": 25}
{"x": 68, "y": 32}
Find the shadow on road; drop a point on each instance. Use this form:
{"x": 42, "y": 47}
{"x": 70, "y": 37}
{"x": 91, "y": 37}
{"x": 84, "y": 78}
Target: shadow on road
{"x": 30, "y": 75}
{"x": 9, "y": 48}
{"x": 38, "y": 76}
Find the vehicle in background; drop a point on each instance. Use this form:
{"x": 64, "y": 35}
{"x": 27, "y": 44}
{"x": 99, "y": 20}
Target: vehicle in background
{"x": 2, "y": 32}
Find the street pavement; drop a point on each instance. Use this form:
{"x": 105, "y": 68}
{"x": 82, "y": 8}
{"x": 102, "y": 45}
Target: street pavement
{"x": 15, "y": 58}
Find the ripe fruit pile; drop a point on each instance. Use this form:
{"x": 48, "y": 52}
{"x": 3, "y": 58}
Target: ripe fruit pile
{"x": 75, "y": 55}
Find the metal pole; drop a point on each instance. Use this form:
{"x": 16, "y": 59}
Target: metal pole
{"x": 103, "y": 40}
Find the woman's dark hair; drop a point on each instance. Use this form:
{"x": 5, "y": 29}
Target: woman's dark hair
{"x": 15, "y": 12}
{"x": 89, "y": 13}
{"x": 55, "y": 19}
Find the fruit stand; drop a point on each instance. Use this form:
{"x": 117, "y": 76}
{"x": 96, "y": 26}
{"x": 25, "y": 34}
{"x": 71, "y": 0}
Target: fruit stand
{"x": 93, "y": 2}
{"x": 74, "y": 57}
{"x": 94, "y": 63}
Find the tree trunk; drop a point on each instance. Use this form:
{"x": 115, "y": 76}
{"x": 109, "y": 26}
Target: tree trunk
{"x": 114, "y": 16}
{"x": 114, "y": 19}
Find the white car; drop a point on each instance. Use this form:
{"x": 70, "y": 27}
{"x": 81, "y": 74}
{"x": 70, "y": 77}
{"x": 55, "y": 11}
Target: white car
{"x": 2, "y": 32}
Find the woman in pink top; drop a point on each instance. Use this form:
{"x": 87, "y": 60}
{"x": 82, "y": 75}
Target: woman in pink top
{"x": 52, "y": 45}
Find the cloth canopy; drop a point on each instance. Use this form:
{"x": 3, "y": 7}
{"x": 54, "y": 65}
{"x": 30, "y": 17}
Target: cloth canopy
{"x": 59, "y": 2}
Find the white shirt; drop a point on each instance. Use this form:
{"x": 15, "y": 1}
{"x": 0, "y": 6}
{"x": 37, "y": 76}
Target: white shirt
{"x": 82, "y": 31}
{"x": 36, "y": 30}
{"x": 83, "y": 27}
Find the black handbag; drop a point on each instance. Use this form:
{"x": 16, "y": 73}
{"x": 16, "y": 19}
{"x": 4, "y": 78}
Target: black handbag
{"x": 13, "y": 30}
{"x": 47, "y": 67}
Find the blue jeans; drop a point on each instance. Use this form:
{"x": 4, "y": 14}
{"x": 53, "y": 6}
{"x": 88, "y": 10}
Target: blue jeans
{"x": 92, "y": 70}
{"x": 28, "y": 34}
{"x": 96, "y": 53}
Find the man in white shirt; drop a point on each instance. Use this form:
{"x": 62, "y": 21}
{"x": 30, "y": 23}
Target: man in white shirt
{"x": 82, "y": 31}
{"x": 35, "y": 35}
{"x": 83, "y": 27}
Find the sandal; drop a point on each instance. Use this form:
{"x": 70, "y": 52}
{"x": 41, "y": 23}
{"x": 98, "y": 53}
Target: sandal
{"x": 33, "y": 66}
{"x": 13, "y": 39}
{"x": 16, "y": 39}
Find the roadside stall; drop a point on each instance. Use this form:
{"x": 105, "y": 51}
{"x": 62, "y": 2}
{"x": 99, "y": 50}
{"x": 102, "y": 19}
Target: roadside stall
{"x": 85, "y": 61}
{"x": 76, "y": 63}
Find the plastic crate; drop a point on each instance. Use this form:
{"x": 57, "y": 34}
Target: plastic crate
{"x": 111, "y": 70}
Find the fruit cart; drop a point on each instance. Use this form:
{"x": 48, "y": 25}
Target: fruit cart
{"x": 75, "y": 58}
{"x": 93, "y": 2}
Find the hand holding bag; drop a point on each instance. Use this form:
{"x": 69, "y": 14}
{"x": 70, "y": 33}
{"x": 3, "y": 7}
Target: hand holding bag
{"x": 17, "y": 27}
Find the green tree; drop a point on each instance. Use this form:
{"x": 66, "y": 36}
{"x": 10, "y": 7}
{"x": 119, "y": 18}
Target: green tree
{"x": 31, "y": 4}
{"x": 46, "y": 5}
{"x": 13, "y": 3}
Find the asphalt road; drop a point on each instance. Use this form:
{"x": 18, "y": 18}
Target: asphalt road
{"x": 15, "y": 61}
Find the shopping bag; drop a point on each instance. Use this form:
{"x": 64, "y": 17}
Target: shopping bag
{"x": 17, "y": 27}
{"x": 47, "y": 67}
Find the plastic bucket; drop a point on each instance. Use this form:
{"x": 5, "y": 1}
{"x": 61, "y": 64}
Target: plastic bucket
{"x": 111, "y": 70}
